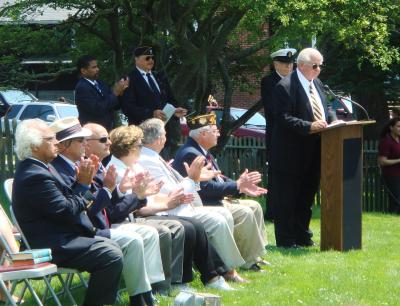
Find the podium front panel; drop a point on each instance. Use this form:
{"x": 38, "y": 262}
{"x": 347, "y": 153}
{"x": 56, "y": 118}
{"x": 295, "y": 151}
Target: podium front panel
{"x": 352, "y": 170}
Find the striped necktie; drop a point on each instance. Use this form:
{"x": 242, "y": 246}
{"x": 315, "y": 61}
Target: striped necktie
{"x": 316, "y": 109}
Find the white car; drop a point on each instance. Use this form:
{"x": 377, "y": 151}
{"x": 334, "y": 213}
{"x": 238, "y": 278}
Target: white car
{"x": 48, "y": 111}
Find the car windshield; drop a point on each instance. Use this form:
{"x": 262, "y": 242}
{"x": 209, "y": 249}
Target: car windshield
{"x": 67, "y": 111}
{"x": 256, "y": 120}
{"x": 14, "y": 96}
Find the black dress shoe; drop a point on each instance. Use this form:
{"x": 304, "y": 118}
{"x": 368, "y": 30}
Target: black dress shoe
{"x": 288, "y": 246}
{"x": 256, "y": 268}
{"x": 308, "y": 243}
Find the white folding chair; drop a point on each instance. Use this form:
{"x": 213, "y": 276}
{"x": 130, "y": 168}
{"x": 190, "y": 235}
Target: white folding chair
{"x": 70, "y": 273}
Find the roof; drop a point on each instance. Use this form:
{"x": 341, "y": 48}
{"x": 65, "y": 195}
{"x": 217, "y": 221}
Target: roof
{"x": 45, "y": 15}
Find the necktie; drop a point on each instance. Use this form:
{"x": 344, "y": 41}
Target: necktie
{"x": 169, "y": 171}
{"x": 96, "y": 85}
{"x": 316, "y": 109}
{"x": 153, "y": 85}
{"x": 104, "y": 212}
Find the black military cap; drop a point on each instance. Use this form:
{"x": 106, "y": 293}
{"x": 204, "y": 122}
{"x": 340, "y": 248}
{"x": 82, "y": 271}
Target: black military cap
{"x": 144, "y": 50}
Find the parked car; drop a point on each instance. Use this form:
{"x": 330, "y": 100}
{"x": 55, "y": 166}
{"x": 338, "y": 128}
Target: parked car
{"x": 48, "y": 111}
{"x": 13, "y": 95}
{"x": 9, "y": 96}
{"x": 254, "y": 127}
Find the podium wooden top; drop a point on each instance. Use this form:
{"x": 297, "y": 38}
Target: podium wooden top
{"x": 344, "y": 123}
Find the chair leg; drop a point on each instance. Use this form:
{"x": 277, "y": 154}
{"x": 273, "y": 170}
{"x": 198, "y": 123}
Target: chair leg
{"x": 66, "y": 289}
{"x": 50, "y": 288}
{"x": 83, "y": 281}
{"x": 33, "y": 292}
{"x": 7, "y": 294}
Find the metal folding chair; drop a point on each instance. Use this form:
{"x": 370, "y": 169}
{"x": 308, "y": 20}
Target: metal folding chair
{"x": 18, "y": 274}
{"x": 70, "y": 273}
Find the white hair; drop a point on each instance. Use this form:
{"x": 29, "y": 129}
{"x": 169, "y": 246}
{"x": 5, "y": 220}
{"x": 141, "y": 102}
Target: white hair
{"x": 196, "y": 132}
{"x": 152, "y": 129}
{"x": 306, "y": 55}
{"x": 28, "y": 135}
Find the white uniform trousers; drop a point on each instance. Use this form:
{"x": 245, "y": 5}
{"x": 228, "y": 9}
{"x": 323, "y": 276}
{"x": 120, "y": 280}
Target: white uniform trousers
{"x": 151, "y": 264}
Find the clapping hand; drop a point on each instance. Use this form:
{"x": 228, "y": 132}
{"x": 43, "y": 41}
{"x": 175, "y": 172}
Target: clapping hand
{"x": 85, "y": 171}
{"x": 253, "y": 177}
{"x": 253, "y": 190}
{"x": 178, "y": 197}
{"x": 110, "y": 178}
{"x": 144, "y": 185}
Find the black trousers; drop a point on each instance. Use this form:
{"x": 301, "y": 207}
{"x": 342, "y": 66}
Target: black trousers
{"x": 103, "y": 260}
{"x": 293, "y": 196}
{"x": 393, "y": 185}
{"x": 199, "y": 251}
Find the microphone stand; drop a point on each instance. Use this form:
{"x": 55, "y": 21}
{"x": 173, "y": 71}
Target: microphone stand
{"x": 326, "y": 87}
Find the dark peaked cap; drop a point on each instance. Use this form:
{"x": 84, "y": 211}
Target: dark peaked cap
{"x": 144, "y": 50}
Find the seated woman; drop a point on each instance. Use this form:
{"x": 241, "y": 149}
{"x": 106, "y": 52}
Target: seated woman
{"x": 125, "y": 149}
{"x": 389, "y": 160}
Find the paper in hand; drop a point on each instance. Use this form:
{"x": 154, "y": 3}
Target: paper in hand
{"x": 168, "y": 110}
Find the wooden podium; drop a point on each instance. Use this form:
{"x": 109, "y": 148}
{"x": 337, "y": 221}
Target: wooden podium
{"x": 341, "y": 186}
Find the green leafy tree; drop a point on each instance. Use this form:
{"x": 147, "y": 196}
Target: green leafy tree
{"x": 204, "y": 45}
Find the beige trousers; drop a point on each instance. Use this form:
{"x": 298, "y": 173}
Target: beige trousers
{"x": 249, "y": 228}
{"x": 142, "y": 258}
{"x": 220, "y": 236}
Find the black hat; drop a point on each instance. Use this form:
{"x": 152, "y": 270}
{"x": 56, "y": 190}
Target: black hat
{"x": 197, "y": 122}
{"x": 284, "y": 55}
{"x": 144, "y": 50}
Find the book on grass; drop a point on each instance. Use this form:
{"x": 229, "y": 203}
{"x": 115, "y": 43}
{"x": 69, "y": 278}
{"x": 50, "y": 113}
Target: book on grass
{"x": 31, "y": 254}
{"x": 32, "y": 261}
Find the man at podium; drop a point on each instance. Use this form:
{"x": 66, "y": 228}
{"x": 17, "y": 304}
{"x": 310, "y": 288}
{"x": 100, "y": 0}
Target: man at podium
{"x": 301, "y": 107}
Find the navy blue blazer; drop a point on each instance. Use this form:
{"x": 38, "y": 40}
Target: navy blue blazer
{"x": 49, "y": 213}
{"x": 139, "y": 101}
{"x": 212, "y": 191}
{"x": 101, "y": 197}
{"x": 293, "y": 149}
{"x": 94, "y": 106}
{"x": 121, "y": 205}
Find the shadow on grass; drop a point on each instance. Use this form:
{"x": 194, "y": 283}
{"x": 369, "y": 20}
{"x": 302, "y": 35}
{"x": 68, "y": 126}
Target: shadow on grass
{"x": 292, "y": 251}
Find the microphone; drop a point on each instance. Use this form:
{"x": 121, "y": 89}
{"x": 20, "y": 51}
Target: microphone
{"x": 331, "y": 93}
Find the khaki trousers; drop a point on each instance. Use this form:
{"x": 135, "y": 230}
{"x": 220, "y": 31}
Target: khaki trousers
{"x": 220, "y": 236}
{"x": 249, "y": 228}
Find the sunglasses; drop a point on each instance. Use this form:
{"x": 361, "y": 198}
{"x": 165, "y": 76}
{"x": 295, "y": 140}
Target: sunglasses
{"x": 315, "y": 66}
{"x": 101, "y": 139}
{"x": 147, "y": 58}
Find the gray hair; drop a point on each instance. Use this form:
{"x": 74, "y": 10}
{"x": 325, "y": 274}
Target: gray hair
{"x": 152, "y": 129}
{"x": 196, "y": 132}
{"x": 305, "y": 55}
{"x": 28, "y": 135}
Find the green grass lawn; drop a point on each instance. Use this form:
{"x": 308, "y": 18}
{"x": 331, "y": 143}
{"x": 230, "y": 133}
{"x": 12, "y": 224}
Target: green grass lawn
{"x": 370, "y": 276}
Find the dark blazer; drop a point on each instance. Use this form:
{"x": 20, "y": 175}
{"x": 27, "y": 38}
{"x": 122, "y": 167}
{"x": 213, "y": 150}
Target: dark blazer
{"x": 267, "y": 94}
{"x": 293, "y": 149}
{"x": 49, "y": 213}
{"x": 212, "y": 191}
{"x": 121, "y": 205}
{"x": 101, "y": 197}
{"x": 94, "y": 106}
{"x": 139, "y": 101}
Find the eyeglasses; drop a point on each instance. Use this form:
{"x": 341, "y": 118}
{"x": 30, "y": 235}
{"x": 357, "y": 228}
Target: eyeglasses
{"x": 315, "y": 66}
{"x": 101, "y": 139}
{"x": 147, "y": 58}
